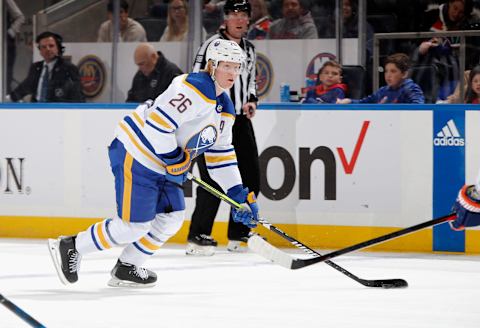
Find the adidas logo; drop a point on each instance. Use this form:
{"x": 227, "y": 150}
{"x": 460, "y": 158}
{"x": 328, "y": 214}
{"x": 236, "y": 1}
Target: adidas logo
{"x": 449, "y": 136}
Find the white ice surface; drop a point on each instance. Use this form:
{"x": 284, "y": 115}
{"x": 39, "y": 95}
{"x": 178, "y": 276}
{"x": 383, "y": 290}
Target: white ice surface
{"x": 242, "y": 290}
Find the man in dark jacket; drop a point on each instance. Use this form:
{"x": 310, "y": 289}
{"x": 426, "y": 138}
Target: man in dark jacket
{"x": 53, "y": 79}
{"x": 155, "y": 73}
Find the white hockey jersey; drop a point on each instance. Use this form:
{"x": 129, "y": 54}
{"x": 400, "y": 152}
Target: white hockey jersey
{"x": 187, "y": 115}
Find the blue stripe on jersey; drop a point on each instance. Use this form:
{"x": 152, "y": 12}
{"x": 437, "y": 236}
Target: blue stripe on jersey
{"x": 158, "y": 129}
{"x": 139, "y": 133}
{"x": 204, "y": 83}
{"x": 227, "y": 104}
{"x": 220, "y": 166}
{"x": 141, "y": 250}
{"x": 167, "y": 116}
{"x": 92, "y": 232}
{"x": 219, "y": 150}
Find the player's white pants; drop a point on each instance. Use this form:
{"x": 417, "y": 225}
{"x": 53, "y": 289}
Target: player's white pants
{"x": 143, "y": 238}
{"x": 163, "y": 227}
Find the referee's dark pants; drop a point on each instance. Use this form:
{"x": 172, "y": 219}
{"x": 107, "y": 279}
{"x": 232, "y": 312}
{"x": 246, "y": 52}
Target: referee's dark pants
{"x": 206, "y": 205}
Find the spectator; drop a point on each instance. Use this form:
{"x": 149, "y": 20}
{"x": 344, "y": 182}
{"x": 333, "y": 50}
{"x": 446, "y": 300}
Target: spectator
{"x": 15, "y": 20}
{"x": 330, "y": 88}
{"x": 473, "y": 89}
{"x": 442, "y": 52}
{"x": 130, "y": 30}
{"x": 243, "y": 95}
{"x": 350, "y": 25}
{"x": 52, "y": 79}
{"x": 455, "y": 96}
{"x": 177, "y": 22}
{"x": 213, "y": 14}
{"x": 297, "y": 22}
{"x": 154, "y": 75}
{"x": 260, "y": 21}
{"x": 399, "y": 89}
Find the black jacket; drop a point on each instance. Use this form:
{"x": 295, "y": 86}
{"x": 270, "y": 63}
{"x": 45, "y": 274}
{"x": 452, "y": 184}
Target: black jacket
{"x": 149, "y": 87}
{"x": 64, "y": 84}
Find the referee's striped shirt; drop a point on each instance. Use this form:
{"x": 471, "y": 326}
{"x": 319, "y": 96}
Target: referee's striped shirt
{"x": 245, "y": 87}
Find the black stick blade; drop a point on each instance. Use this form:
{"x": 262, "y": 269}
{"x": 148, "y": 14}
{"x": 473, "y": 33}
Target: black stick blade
{"x": 388, "y": 283}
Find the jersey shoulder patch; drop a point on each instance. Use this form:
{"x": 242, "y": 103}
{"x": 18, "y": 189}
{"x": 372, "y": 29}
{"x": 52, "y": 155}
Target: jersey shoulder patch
{"x": 226, "y": 104}
{"x": 202, "y": 84}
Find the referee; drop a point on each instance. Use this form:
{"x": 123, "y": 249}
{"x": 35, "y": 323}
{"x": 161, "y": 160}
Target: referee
{"x": 243, "y": 95}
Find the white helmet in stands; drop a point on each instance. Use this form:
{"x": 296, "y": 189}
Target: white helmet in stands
{"x": 225, "y": 50}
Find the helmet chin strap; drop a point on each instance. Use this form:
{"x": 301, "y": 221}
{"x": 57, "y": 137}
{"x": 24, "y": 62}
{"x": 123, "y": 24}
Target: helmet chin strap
{"x": 217, "y": 85}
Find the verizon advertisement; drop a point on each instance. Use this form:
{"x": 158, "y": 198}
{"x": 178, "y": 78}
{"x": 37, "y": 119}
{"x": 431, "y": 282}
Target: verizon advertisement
{"x": 322, "y": 167}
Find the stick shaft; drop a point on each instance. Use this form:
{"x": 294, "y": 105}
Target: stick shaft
{"x": 20, "y": 313}
{"x": 301, "y": 263}
{"x": 293, "y": 241}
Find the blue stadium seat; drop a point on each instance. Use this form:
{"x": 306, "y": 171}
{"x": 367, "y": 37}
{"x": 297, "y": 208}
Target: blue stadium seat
{"x": 154, "y": 27}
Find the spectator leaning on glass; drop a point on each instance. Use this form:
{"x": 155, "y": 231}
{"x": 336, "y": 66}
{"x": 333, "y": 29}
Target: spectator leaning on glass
{"x": 442, "y": 52}
{"x": 399, "y": 88}
{"x": 154, "y": 75}
{"x": 52, "y": 79}
{"x": 260, "y": 21}
{"x": 330, "y": 88}
{"x": 297, "y": 22}
{"x": 243, "y": 95}
{"x": 130, "y": 30}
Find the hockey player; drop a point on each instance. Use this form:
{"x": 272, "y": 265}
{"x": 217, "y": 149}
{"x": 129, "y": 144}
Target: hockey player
{"x": 467, "y": 207}
{"x": 150, "y": 158}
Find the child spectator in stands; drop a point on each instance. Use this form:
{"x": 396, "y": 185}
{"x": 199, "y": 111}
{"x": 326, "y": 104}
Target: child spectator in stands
{"x": 260, "y": 21}
{"x": 177, "y": 22}
{"x": 399, "y": 88}
{"x": 330, "y": 88}
{"x": 473, "y": 89}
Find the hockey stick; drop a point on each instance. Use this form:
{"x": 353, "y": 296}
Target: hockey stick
{"x": 301, "y": 263}
{"x": 19, "y": 312}
{"x": 284, "y": 259}
{"x": 259, "y": 245}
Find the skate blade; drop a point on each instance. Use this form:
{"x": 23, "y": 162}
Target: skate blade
{"x": 237, "y": 248}
{"x": 57, "y": 263}
{"x": 197, "y": 250}
{"x": 115, "y": 282}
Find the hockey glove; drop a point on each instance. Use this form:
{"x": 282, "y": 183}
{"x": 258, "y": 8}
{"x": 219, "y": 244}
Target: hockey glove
{"x": 248, "y": 214}
{"x": 467, "y": 208}
{"x": 178, "y": 163}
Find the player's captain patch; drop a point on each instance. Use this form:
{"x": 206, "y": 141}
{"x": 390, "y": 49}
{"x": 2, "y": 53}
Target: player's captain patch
{"x": 264, "y": 75}
{"x": 92, "y": 75}
{"x": 201, "y": 141}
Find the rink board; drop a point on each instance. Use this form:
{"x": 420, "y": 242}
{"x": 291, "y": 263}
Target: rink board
{"x": 332, "y": 175}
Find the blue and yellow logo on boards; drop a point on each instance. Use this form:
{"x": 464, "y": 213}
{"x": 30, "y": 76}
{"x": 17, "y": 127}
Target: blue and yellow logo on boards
{"x": 264, "y": 75}
{"x": 92, "y": 75}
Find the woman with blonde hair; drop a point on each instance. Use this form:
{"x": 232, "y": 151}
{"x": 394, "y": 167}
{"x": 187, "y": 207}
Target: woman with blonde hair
{"x": 177, "y": 22}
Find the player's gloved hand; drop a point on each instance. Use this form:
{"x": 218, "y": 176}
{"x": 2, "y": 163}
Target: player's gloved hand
{"x": 178, "y": 163}
{"x": 467, "y": 208}
{"x": 248, "y": 214}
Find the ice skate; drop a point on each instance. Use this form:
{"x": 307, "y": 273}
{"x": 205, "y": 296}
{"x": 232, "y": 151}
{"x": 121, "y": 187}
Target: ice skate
{"x": 129, "y": 275}
{"x": 238, "y": 246}
{"x": 201, "y": 245}
{"x": 65, "y": 258}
